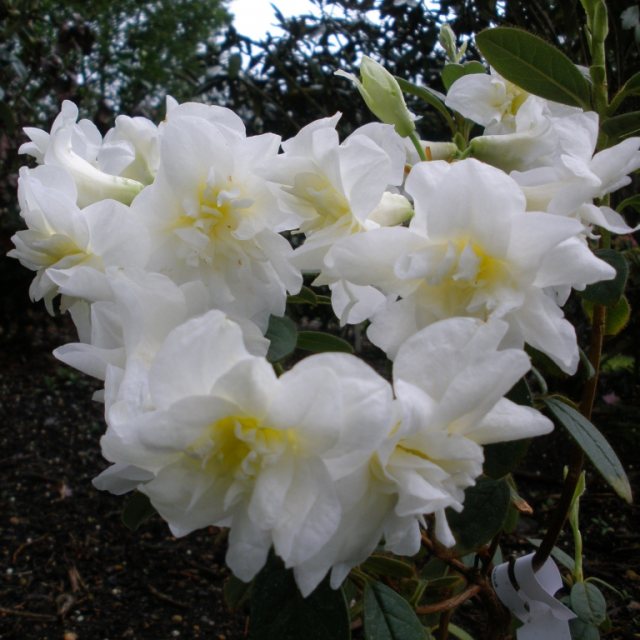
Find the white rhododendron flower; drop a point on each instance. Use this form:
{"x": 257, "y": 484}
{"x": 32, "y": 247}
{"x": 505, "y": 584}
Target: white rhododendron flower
{"x": 577, "y": 175}
{"x": 69, "y": 247}
{"x": 499, "y": 105}
{"x": 126, "y": 327}
{"x": 213, "y": 217}
{"x": 230, "y": 444}
{"x": 75, "y": 147}
{"x": 340, "y": 188}
{"x": 449, "y": 380}
{"x": 470, "y": 250}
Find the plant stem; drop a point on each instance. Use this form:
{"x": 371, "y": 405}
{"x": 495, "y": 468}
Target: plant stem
{"x": 416, "y": 143}
{"x": 577, "y": 455}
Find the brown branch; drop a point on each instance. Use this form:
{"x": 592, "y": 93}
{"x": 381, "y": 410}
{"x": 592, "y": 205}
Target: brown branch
{"x": 165, "y": 598}
{"x": 450, "y": 603}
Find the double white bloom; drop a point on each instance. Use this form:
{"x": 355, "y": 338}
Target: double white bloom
{"x": 473, "y": 250}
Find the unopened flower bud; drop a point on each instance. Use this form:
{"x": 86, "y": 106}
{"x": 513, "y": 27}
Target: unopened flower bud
{"x": 383, "y": 95}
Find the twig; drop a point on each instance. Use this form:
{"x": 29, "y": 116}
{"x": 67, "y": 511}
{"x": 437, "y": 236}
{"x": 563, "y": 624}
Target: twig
{"x": 27, "y": 614}
{"x": 165, "y": 598}
{"x": 450, "y": 603}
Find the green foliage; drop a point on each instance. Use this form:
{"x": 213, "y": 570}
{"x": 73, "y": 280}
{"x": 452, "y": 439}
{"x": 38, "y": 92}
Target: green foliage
{"x": 454, "y": 71}
{"x": 593, "y": 443}
{"x": 608, "y": 292}
{"x": 388, "y": 616}
{"x": 283, "y": 335}
{"x": 236, "y": 593}
{"x": 279, "y": 611}
{"x": 622, "y": 126}
{"x": 588, "y": 603}
{"x": 534, "y": 65}
{"x": 318, "y": 342}
{"x": 485, "y": 509}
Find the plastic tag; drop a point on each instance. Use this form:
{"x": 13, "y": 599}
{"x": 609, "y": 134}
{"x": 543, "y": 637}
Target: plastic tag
{"x": 532, "y": 601}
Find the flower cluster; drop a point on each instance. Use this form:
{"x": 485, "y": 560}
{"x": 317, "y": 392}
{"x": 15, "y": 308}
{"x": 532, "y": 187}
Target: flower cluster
{"x": 165, "y": 243}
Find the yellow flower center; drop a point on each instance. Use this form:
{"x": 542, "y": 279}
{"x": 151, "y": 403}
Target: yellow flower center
{"x": 466, "y": 280}
{"x": 238, "y": 446}
{"x": 329, "y": 205}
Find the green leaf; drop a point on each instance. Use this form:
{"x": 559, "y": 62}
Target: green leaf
{"x": 632, "y": 201}
{"x": 430, "y": 97}
{"x": 593, "y": 444}
{"x": 318, "y": 342}
{"x": 630, "y": 88}
{"x": 622, "y": 126}
{"x": 283, "y": 335}
{"x": 278, "y": 611}
{"x": 581, "y": 630}
{"x": 485, "y": 509}
{"x": 588, "y": 603}
{"x": 137, "y": 510}
{"x": 236, "y": 593}
{"x": 388, "y": 616}
{"x": 502, "y": 458}
{"x": 616, "y": 318}
{"x": 305, "y": 296}
{"x": 558, "y": 554}
{"x": 388, "y": 566}
{"x": 454, "y": 71}
{"x": 534, "y": 65}
{"x": 608, "y": 292}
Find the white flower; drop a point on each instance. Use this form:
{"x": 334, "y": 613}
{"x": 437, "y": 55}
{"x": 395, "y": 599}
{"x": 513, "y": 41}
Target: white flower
{"x": 470, "y": 250}
{"x": 67, "y": 246}
{"x": 449, "y": 380}
{"x": 75, "y": 147}
{"x": 340, "y": 188}
{"x": 213, "y": 217}
{"x": 126, "y": 325}
{"x": 496, "y": 104}
{"x": 575, "y": 176}
{"x": 230, "y": 444}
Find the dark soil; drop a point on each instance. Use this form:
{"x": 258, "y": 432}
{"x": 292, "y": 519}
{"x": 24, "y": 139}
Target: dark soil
{"x": 71, "y": 570}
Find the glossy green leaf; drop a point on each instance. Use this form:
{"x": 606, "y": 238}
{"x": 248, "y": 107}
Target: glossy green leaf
{"x": 454, "y": 71}
{"x": 278, "y": 611}
{"x": 388, "y": 616}
{"x": 608, "y": 292}
{"x": 534, "y": 65}
{"x": 594, "y": 444}
{"x": 388, "y": 566}
{"x": 318, "y": 342}
{"x": 137, "y": 510}
{"x": 429, "y": 96}
{"x": 283, "y": 336}
{"x": 622, "y": 126}
{"x": 305, "y": 296}
{"x": 588, "y": 603}
{"x": 485, "y": 509}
